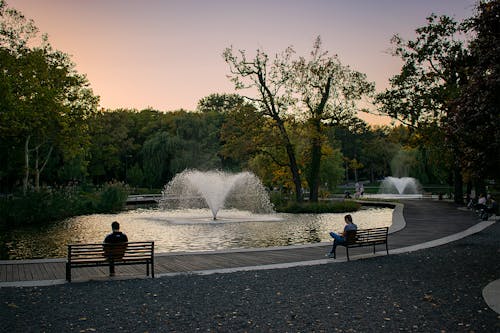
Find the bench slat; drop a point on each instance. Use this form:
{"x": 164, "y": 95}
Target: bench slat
{"x": 367, "y": 237}
{"x": 107, "y": 254}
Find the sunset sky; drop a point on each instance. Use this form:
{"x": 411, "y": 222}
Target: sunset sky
{"x": 168, "y": 54}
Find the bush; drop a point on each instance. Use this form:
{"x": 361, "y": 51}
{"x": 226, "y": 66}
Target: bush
{"x": 48, "y": 205}
{"x": 320, "y": 207}
{"x": 112, "y": 198}
{"x": 278, "y": 199}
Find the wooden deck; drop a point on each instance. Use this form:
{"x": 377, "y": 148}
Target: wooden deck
{"x": 425, "y": 221}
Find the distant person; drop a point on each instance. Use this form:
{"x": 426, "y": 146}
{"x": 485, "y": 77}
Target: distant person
{"x": 114, "y": 252}
{"x": 481, "y": 202}
{"x": 350, "y": 228}
{"x": 493, "y": 206}
{"x": 361, "y": 190}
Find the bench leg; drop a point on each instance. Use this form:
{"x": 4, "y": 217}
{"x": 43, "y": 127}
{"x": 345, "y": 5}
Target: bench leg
{"x": 68, "y": 272}
{"x": 387, "y": 248}
{"x": 111, "y": 268}
{"x": 347, "y": 253}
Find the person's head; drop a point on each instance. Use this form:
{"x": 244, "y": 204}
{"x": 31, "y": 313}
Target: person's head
{"x": 115, "y": 226}
{"x": 348, "y": 218}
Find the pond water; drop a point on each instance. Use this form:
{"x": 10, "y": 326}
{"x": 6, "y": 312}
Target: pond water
{"x": 186, "y": 230}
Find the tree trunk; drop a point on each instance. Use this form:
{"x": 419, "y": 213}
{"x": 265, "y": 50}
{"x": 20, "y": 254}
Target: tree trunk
{"x": 38, "y": 170}
{"x": 294, "y": 169}
{"x": 457, "y": 179}
{"x": 314, "y": 170}
{"x": 26, "y": 164}
{"x": 295, "y": 175}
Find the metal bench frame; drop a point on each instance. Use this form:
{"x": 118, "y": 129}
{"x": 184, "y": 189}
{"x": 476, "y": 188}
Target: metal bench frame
{"x": 110, "y": 254}
{"x": 366, "y": 237}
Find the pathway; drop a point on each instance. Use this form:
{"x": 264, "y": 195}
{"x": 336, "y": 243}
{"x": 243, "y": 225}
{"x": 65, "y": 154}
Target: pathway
{"x": 426, "y": 221}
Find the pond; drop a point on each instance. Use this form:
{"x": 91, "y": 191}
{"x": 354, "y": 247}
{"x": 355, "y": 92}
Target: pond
{"x": 186, "y": 231}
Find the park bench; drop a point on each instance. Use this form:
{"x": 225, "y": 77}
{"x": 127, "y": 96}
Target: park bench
{"x": 366, "y": 237}
{"x": 110, "y": 254}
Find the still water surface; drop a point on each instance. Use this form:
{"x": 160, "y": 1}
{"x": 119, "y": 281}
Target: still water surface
{"x": 186, "y": 231}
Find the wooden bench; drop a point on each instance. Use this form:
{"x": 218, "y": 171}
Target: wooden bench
{"x": 366, "y": 237}
{"x": 107, "y": 254}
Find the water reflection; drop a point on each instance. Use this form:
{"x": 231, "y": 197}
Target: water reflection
{"x": 186, "y": 231}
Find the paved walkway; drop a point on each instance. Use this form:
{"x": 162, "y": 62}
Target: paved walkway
{"x": 417, "y": 224}
{"x": 422, "y": 223}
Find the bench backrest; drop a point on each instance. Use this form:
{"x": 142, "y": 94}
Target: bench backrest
{"x": 367, "y": 235}
{"x": 110, "y": 251}
{"x": 350, "y": 236}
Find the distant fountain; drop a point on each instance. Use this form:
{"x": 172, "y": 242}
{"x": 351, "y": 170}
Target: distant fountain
{"x": 216, "y": 189}
{"x": 403, "y": 185}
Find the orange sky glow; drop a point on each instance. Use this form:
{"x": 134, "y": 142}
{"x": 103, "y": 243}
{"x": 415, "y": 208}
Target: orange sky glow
{"x": 167, "y": 54}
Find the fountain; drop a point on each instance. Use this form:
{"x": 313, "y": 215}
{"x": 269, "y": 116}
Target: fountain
{"x": 216, "y": 189}
{"x": 400, "y": 186}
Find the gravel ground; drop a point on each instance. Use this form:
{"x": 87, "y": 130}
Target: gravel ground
{"x": 433, "y": 290}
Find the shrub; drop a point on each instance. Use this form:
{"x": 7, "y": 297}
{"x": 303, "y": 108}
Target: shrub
{"x": 320, "y": 207}
{"x": 48, "y": 205}
{"x": 112, "y": 198}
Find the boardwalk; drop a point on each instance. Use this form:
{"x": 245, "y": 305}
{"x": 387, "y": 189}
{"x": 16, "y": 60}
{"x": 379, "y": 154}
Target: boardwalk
{"x": 426, "y": 221}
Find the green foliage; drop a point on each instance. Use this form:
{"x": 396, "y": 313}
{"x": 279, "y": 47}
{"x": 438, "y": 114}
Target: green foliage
{"x": 44, "y": 102}
{"x": 476, "y": 118}
{"x": 49, "y": 205}
{"x": 432, "y": 77}
{"x": 320, "y": 207}
{"x": 308, "y": 94}
{"x": 112, "y": 198}
{"x": 135, "y": 176}
{"x": 221, "y": 103}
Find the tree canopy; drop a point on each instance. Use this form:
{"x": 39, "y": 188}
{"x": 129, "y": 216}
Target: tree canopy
{"x": 44, "y": 103}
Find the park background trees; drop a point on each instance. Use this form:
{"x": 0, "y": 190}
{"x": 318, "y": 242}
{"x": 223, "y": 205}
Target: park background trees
{"x": 297, "y": 128}
{"x": 44, "y": 102}
{"x": 312, "y": 93}
{"x": 447, "y": 93}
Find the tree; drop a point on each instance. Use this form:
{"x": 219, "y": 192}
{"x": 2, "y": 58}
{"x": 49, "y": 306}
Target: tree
{"x": 158, "y": 152}
{"x": 328, "y": 92}
{"x": 313, "y": 93}
{"x": 422, "y": 95}
{"x": 271, "y": 80}
{"x": 45, "y": 102}
{"x": 219, "y": 103}
{"x": 476, "y": 117}
{"x": 111, "y": 144}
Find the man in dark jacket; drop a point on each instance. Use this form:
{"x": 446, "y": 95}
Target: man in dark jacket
{"x": 115, "y": 251}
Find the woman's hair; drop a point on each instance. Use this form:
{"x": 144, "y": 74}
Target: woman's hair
{"x": 348, "y": 218}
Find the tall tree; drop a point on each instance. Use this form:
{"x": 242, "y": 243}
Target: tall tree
{"x": 271, "y": 79}
{"x": 219, "y": 103}
{"x": 45, "y": 101}
{"x": 422, "y": 95}
{"x": 476, "y": 118}
{"x": 328, "y": 92}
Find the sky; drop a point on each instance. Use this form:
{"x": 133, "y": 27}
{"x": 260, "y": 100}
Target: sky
{"x": 167, "y": 54}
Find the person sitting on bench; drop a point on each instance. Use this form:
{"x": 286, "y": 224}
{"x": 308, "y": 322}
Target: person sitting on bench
{"x": 114, "y": 252}
{"x": 350, "y": 227}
